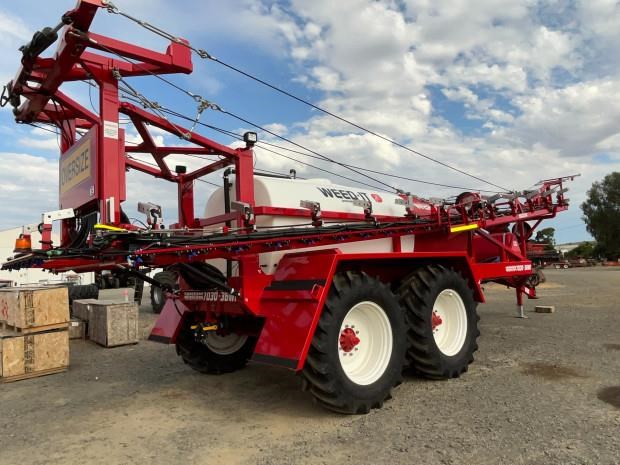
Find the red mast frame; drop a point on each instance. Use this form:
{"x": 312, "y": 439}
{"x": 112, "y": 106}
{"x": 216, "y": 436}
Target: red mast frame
{"x": 39, "y": 82}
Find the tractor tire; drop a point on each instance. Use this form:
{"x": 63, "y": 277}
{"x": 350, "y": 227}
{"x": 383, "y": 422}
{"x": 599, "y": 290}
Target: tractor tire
{"x": 83, "y": 291}
{"x": 358, "y": 351}
{"x": 158, "y": 298}
{"x": 533, "y": 280}
{"x": 536, "y": 278}
{"x": 442, "y": 322}
{"x": 217, "y": 354}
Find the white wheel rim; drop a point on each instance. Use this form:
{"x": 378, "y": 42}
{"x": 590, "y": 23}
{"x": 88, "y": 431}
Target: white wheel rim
{"x": 225, "y": 345}
{"x": 449, "y": 321}
{"x": 158, "y": 296}
{"x": 365, "y": 343}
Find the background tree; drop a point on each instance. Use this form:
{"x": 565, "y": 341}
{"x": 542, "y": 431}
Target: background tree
{"x": 546, "y": 236}
{"x": 583, "y": 250}
{"x": 602, "y": 214}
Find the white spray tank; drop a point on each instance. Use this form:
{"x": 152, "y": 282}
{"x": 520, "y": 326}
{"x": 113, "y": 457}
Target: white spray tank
{"x": 289, "y": 193}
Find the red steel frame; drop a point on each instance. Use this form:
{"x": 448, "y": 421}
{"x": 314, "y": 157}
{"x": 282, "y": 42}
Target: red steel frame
{"x": 40, "y": 80}
{"x": 470, "y": 237}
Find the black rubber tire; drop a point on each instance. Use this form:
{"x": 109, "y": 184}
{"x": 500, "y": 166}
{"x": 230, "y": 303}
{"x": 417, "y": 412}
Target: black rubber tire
{"x": 202, "y": 359}
{"x": 417, "y": 297}
{"x": 323, "y": 374}
{"x": 157, "y": 294}
{"x": 197, "y": 282}
{"x": 533, "y": 280}
{"x": 83, "y": 291}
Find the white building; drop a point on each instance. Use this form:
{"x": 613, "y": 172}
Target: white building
{"x": 31, "y": 275}
{"x": 565, "y": 248}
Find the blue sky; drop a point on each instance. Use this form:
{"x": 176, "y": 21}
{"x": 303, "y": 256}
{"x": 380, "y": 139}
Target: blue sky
{"x": 510, "y": 91}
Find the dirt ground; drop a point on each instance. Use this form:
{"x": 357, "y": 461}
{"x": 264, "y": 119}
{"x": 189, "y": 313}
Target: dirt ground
{"x": 545, "y": 390}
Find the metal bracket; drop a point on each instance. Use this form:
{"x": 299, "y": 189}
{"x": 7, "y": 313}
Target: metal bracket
{"x": 491, "y": 199}
{"x": 50, "y": 217}
{"x": 246, "y": 209}
{"x": 315, "y": 209}
{"x": 367, "y": 206}
{"x": 111, "y": 213}
{"x": 154, "y": 216}
{"x": 30, "y": 228}
{"x": 407, "y": 203}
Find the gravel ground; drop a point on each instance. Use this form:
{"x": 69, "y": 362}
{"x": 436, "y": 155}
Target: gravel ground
{"x": 545, "y": 390}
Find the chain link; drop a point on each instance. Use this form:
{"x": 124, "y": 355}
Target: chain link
{"x": 111, "y": 7}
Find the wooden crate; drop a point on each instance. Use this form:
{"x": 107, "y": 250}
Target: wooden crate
{"x": 113, "y": 324}
{"x": 24, "y": 356}
{"x": 34, "y": 308}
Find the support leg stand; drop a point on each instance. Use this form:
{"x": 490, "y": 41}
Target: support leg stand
{"x": 520, "y": 312}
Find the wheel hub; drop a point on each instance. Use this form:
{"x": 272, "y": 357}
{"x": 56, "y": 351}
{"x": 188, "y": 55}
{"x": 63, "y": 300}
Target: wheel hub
{"x": 365, "y": 343}
{"x": 449, "y": 322}
{"x": 348, "y": 340}
{"x": 224, "y": 344}
{"x": 436, "y": 320}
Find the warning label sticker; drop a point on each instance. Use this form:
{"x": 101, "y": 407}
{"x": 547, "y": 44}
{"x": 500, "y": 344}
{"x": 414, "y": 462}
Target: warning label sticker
{"x": 110, "y": 130}
{"x": 517, "y": 268}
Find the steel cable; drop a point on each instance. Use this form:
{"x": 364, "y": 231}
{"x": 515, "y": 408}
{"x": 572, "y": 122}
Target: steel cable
{"x": 205, "y": 55}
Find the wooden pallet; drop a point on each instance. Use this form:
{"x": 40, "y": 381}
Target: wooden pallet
{"x": 24, "y": 356}
{"x": 34, "y": 374}
{"x": 35, "y": 329}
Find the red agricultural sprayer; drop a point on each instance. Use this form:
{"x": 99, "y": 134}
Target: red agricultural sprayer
{"x": 347, "y": 286}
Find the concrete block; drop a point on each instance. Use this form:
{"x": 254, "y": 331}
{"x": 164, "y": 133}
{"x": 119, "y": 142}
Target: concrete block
{"x": 82, "y": 309}
{"x": 77, "y": 329}
{"x": 545, "y": 309}
{"x": 113, "y": 323}
{"x": 122, "y": 294}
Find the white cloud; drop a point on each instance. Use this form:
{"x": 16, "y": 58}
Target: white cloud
{"x": 12, "y": 28}
{"x": 28, "y": 187}
{"x": 48, "y": 143}
{"x": 577, "y": 120}
{"x": 13, "y": 34}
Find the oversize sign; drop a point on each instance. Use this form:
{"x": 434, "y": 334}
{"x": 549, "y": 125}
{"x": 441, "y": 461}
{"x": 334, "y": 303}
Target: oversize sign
{"x": 77, "y": 169}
